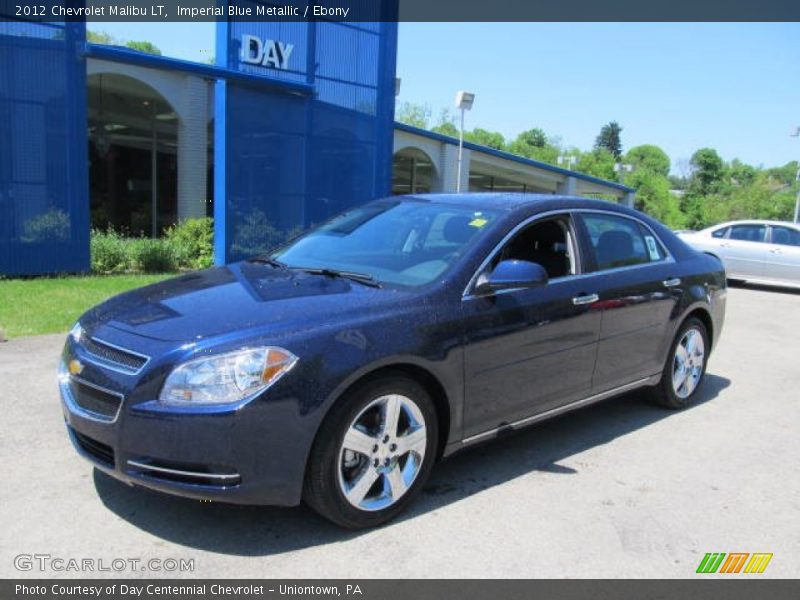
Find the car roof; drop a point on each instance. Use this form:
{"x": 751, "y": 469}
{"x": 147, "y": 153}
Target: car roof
{"x": 513, "y": 201}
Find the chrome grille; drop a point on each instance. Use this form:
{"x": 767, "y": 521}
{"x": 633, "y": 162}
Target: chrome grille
{"x": 124, "y": 360}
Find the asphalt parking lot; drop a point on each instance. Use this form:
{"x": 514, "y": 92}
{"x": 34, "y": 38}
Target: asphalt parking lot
{"x": 620, "y": 489}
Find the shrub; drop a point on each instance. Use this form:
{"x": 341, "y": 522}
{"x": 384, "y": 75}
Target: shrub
{"x": 153, "y": 255}
{"x": 111, "y": 253}
{"x": 50, "y": 226}
{"x": 192, "y": 241}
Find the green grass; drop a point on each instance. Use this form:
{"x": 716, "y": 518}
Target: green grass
{"x": 52, "y": 305}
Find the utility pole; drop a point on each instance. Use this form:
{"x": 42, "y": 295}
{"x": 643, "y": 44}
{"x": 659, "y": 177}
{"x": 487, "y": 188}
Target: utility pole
{"x": 569, "y": 161}
{"x": 464, "y": 101}
{"x": 796, "y": 133}
{"x": 621, "y": 169}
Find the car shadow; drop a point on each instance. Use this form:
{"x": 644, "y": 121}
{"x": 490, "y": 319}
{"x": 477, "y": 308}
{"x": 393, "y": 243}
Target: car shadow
{"x": 261, "y": 531}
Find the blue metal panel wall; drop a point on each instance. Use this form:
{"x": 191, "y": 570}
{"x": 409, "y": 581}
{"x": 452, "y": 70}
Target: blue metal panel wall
{"x": 291, "y": 161}
{"x": 44, "y": 207}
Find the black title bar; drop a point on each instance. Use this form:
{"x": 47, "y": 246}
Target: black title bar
{"x": 401, "y": 10}
{"x": 700, "y": 588}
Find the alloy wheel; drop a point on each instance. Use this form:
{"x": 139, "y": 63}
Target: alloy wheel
{"x": 382, "y": 452}
{"x": 688, "y": 363}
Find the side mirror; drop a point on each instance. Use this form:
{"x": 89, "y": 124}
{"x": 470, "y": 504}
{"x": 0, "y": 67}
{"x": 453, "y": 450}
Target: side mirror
{"x": 513, "y": 274}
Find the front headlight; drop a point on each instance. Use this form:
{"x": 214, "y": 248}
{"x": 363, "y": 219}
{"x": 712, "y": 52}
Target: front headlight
{"x": 226, "y": 378}
{"x": 76, "y": 333}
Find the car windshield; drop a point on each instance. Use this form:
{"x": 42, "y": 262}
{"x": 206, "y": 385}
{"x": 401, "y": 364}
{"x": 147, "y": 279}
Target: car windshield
{"x": 404, "y": 243}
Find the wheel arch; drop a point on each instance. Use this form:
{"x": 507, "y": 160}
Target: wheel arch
{"x": 704, "y": 316}
{"x": 419, "y": 373}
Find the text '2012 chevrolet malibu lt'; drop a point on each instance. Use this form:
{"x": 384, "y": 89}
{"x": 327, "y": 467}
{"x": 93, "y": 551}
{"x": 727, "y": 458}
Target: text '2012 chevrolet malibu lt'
{"x": 338, "y": 368}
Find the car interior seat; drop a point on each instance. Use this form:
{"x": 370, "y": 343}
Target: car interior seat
{"x": 614, "y": 248}
{"x": 545, "y": 244}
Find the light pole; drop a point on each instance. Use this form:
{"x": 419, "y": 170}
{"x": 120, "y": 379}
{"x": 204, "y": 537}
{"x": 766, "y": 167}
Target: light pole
{"x": 622, "y": 168}
{"x": 464, "y": 101}
{"x": 569, "y": 161}
{"x": 796, "y": 133}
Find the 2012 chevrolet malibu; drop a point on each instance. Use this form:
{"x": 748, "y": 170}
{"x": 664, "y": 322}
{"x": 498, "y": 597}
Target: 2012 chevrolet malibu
{"x": 338, "y": 368}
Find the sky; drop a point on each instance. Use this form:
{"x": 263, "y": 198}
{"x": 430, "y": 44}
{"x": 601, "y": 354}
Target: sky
{"x": 681, "y": 86}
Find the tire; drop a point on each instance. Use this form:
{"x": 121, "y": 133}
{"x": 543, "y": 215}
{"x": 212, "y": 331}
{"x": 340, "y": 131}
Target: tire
{"x": 689, "y": 370}
{"x": 388, "y": 464}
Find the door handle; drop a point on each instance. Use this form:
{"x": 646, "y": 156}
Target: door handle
{"x": 671, "y": 282}
{"x": 724, "y": 245}
{"x": 775, "y": 250}
{"x": 585, "y": 299}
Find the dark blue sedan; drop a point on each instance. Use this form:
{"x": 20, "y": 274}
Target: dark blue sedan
{"x": 340, "y": 367}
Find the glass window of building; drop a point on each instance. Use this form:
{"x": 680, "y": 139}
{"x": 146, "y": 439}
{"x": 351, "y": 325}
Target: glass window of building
{"x": 412, "y": 172}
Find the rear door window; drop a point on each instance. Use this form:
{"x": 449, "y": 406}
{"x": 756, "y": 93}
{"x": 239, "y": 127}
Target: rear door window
{"x": 785, "y": 236}
{"x": 621, "y": 242}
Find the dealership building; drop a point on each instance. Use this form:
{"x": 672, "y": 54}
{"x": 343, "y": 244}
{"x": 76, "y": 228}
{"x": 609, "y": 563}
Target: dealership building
{"x": 293, "y": 124}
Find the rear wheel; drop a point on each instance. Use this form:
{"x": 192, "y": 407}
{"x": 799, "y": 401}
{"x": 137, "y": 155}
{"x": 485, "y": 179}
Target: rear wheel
{"x": 373, "y": 453}
{"x": 685, "y": 367}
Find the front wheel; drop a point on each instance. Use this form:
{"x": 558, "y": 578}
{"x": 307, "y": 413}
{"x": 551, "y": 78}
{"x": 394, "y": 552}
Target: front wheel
{"x": 373, "y": 453}
{"x": 685, "y": 366}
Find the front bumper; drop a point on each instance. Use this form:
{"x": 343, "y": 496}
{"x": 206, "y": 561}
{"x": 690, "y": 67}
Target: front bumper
{"x": 254, "y": 454}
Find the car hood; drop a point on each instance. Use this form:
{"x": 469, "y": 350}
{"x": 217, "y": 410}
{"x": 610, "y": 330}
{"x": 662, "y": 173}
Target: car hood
{"x": 236, "y": 298}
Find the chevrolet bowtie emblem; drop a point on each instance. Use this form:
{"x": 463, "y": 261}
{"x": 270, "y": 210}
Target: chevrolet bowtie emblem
{"x": 75, "y": 367}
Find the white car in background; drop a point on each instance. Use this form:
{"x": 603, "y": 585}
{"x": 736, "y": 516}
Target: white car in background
{"x": 765, "y": 252}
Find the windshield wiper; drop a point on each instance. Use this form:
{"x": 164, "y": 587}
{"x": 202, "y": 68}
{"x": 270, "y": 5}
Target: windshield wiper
{"x": 265, "y": 260}
{"x": 363, "y": 278}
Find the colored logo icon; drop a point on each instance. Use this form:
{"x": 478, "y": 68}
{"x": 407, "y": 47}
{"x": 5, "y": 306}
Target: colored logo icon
{"x": 734, "y": 562}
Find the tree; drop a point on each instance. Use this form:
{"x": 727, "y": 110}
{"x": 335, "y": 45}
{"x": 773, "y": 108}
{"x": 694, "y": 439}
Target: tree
{"x": 447, "y": 124}
{"x": 416, "y": 115}
{"x": 144, "y": 46}
{"x": 785, "y": 175}
{"x": 446, "y": 129}
{"x": 100, "y": 37}
{"x": 649, "y": 157}
{"x": 653, "y": 197}
{"x": 598, "y": 163}
{"x": 708, "y": 171}
{"x": 711, "y": 191}
{"x": 742, "y": 173}
{"x": 677, "y": 182}
{"x": 535, "y": 144}
{"x": 533, "y": 138}
{"x": 609, "y": 139}
{"x": 492, "y": 139}
{"x": 708, "y": 178}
